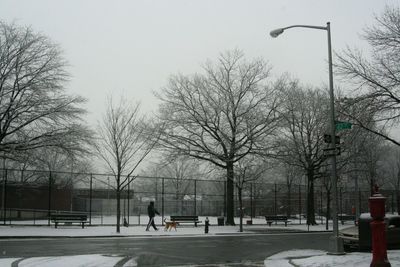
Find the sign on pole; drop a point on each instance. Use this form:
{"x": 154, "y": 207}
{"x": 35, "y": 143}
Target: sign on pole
{"x": 329, "y": 152}
{"x": 328, "y": 139}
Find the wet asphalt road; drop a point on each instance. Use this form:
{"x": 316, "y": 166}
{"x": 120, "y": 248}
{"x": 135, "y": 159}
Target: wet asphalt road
{"x": 156, "y": 251}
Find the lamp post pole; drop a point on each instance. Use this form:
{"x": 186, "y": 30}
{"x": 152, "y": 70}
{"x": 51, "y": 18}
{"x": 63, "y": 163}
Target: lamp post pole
{"x": 336, "y": 242}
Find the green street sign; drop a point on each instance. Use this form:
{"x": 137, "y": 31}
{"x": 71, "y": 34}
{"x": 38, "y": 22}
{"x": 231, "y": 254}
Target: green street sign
{"x": 342, "y": 125}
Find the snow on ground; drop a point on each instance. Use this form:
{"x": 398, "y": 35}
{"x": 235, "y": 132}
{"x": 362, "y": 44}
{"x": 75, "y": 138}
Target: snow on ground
{"x": 95, "y": 260}
{"x": 299, "y": 258}
{"x": 318, "y": 258}
{"x": 28, "y": 229}
{"x": 7, "y": 262}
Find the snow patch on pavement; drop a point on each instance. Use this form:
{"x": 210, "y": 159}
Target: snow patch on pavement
{"x": 318, "y": 258}
{"x": 131, "y": 263}
{"x": 297, "y": 254}
{"x": 282, "y": 259}
{"x": 7, "y": 262}
{"x": 94, "y": 260}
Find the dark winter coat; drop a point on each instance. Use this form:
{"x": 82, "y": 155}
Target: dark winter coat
{"x": 151, "y": 211}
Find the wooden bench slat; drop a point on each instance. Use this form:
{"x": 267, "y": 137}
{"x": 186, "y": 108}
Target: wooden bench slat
{"x": 276, "y": 218}
{"x": 68, "y": 218}
{"x": 185, "y": 218}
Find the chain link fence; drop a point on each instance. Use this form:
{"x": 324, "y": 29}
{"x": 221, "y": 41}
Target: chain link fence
{"x": 29, "y": 197}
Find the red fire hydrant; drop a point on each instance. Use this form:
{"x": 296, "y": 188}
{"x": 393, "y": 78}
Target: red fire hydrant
{"x": 378, "y": 227}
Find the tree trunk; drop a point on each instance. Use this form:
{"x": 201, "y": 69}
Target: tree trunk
{"x": 328, "y": 208}
{"x": 229, "y": 194}
{"x": 241, "y": 209}
{"x": 310, "y": 199}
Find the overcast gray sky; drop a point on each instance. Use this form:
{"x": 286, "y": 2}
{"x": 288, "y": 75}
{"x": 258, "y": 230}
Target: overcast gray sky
{"x": 131, "y": 47}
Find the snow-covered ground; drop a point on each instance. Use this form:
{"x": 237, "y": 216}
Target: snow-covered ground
{"x": 28, "y": 229}
{"x": 301, "y": 258}
{"x": 94, "y": 260}
{"x": 319, "y": 258}
{"x": 298, "y": 258}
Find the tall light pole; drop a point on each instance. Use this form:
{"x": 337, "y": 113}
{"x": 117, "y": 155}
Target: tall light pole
{"x": 336, "y": 242}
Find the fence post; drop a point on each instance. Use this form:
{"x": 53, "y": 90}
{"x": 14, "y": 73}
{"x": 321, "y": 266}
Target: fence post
{"x": 224, "y": 198}
{"x": 123, "y": 194}
{"x": 129, "y": 185}
{"x": 341, "y": 199}
{"x": 162, "y": 202}
{"x": 49, "y": 198}
{"x": 275, "y": 204}
{"x": 4, "y": 195}
{"x": 300, "y": 202}
{"x": 156, "y": 191}
{"x": 307, "y": 198}
{"x": 251, "y": 201}
{"x": 195, "y": 197}
{"x": 90, "y": 199}
{"x": 392, "y": 202}
{"x": 320, "y": 206}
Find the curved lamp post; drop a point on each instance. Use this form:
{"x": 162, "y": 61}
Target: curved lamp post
{"x": 337, "y": 245}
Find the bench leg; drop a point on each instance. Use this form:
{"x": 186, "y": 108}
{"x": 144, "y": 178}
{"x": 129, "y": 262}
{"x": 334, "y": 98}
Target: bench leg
{"x": 285, "y": 224}
{"x": 55, "y": 224}
{"x": 269, "y": 223}
{"x": 83, "y": 225}
{"x": 195, "y": 224}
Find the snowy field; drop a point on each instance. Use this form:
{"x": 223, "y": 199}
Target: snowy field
{"x": 29, "y": 229}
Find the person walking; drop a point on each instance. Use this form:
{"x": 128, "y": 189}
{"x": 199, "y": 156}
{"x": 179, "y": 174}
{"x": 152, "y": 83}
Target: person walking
{"x": 151, "y": 211}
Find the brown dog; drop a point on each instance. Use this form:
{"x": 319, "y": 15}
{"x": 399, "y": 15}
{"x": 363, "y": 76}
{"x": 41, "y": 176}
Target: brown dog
{"x": 170, "y": 225}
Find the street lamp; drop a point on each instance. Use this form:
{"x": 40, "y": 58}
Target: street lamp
{"x": 337, "y": 245}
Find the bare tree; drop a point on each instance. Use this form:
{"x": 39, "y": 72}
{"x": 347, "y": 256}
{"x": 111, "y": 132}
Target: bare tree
{"x": 182, "y": 171}
{"x": 391, "y": 169}
{"x": 362, "y": 145}
{"x": 376, "y": 77}
{"x": 291, "y": 173}
{"x": 220, "y": 116}
{"x": 248, "y": 170}
{"x": 302, "y": 142}
{"x": 34, "y": 109}
{"x": 123, "y": 144}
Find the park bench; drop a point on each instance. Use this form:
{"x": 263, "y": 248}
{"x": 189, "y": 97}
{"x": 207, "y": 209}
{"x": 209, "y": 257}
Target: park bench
{"x": 68, "y": 218}
{"x": 345, "y": 217}
{"x": 186, "y": 219}
{"x": 276, "y": 218}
